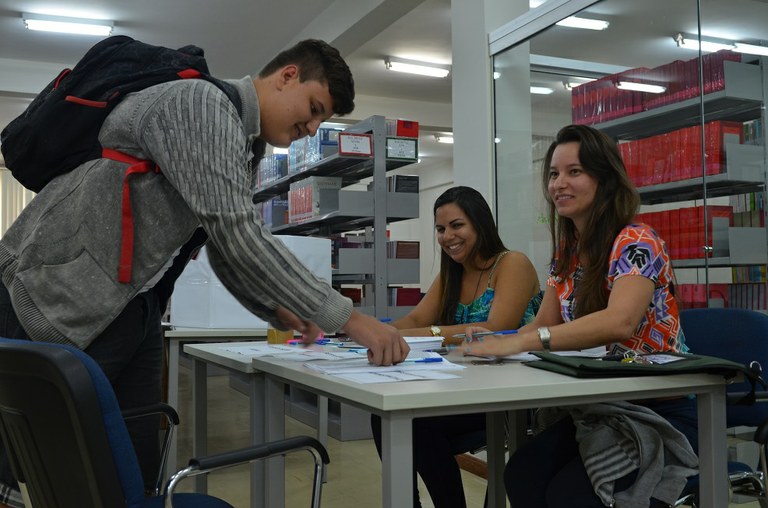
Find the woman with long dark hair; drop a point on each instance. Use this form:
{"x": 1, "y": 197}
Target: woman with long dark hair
{"x": 482, "y": 282}
{"x": 611, "y": 283}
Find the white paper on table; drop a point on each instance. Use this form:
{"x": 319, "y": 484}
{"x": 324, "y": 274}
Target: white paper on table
{"x": 363, "y": 366}
{"x": 260, "y": 349}
{"x": 396, "y": 376}
{"x": 295, "y": 353}
{"x": 308, "y": 354}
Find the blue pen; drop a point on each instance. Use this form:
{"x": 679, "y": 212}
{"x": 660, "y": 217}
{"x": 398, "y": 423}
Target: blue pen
{"x": 426, "y": 360}
{"x": 483, "y": 334}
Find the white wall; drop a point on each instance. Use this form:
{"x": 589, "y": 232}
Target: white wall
{"x": 434, "y": 178}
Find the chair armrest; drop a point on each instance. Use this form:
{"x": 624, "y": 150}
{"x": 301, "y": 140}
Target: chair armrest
{"x": 205, "y": 465}
{"x": 160, "y": 408}
{"x": 260, "y": 452}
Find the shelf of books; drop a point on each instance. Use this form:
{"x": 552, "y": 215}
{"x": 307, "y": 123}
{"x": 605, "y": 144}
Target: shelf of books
{"x": 734, "y": 94}
{"x": 704, "y": 181}
{"x": 306, "y": 192}
{"x": 341, "y": 210}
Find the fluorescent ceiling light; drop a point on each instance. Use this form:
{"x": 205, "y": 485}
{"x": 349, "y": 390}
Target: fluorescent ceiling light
{"x": 541, "y": 90}
{"x": 640, "y": 87}
{"x": 570, "y": 84}
{"x": 707, "y": 45}
{"x": 751, "y": 49}
{"x": 586, "y": 23}
{"x": 67, "y": 25}
{"x": 441, "y": 138}
{"x": 416, "y": 67}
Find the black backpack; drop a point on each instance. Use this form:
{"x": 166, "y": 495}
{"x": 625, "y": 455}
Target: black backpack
{"x": 59, "y": 130}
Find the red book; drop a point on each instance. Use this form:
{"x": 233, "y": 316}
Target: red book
{"x": 719, "y": 293}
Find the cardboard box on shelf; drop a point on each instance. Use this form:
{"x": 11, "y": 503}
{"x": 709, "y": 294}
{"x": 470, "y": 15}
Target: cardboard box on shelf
{"x": 200, "y": 300}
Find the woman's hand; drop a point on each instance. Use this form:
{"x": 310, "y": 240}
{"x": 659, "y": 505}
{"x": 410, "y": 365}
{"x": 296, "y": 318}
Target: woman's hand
{"x": 490, "y": 345}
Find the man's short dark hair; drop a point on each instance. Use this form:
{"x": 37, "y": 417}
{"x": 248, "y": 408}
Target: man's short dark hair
{"x": 319, "y": 61}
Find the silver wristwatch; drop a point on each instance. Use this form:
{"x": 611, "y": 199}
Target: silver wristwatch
{"x": 544, "y": 337}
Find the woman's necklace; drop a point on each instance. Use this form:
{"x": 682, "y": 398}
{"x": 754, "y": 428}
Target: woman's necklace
{"x": 479, "y": 279}
{"x": 465, "y": 313}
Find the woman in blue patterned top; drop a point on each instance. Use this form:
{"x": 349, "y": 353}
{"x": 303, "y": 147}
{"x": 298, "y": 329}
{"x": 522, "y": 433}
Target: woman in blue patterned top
{"x": 476, "y": 271}
{"x": 480, "y": 281}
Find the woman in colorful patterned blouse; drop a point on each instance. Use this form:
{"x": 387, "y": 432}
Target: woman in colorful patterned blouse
{"x": 611, "y": 283}
{"x": 480, "y": 281}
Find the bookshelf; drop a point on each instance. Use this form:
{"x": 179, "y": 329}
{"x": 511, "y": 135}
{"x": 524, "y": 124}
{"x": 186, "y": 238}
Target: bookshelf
{"x": 719, "y": 243}
{"x": 357, "y": 210}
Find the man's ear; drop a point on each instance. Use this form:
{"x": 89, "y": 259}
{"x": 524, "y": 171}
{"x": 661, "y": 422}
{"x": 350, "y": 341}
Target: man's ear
{"x": 287, "y": 74}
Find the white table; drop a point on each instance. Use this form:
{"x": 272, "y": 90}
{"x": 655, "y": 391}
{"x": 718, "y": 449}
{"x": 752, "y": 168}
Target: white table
{"x": 175, "y": 339}
{"x": 242, "y": 366}
{"x": 491, "y": 389}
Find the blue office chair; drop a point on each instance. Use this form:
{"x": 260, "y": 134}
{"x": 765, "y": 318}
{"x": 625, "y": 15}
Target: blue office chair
{"x": 738, "y": 335}
{"x": 68, "y": 444}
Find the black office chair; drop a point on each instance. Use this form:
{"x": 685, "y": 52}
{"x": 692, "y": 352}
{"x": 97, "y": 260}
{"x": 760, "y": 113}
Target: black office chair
{"x": 739, "y": 335}
{"x": 69, "y": 446}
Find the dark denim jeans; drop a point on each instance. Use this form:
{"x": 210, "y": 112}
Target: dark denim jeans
{"x": 130, "y": 351}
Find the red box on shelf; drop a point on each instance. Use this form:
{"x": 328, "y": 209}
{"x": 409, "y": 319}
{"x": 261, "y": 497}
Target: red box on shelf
{"x": 402, "y": 128}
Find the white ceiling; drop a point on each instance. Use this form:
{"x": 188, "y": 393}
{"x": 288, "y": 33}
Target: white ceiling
{"x": 239, "y": 37}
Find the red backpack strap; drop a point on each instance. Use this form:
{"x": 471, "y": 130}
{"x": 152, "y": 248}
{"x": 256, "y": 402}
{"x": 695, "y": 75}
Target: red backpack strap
{"x": 126, "y": 239}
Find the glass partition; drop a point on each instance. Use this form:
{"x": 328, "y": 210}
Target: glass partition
{"x": 688, "y": 123}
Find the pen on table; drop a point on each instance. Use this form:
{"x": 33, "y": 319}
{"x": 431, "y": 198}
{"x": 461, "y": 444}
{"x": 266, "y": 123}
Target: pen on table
{"x": 425, "y": 360}
{"x": 301, "y": 341}
{"x": 483, "y": 334}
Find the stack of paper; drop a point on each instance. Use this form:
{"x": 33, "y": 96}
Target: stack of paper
{"x": 416, "y": 343}
{"x": 424, "y": 343}
{"x": 419, "y": 366}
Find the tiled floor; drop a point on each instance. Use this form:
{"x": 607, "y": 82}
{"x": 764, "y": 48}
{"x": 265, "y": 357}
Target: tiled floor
{"x": 354, "y": 475}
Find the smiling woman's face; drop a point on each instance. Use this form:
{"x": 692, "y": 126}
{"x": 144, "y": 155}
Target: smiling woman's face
{"x": 455, "y": 233}
{"x": 570, "y": 187}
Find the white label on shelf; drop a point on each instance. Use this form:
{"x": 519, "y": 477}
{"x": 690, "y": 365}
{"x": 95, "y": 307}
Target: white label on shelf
{"x": 401, "y": 148}
{"x": 355, "y": 144}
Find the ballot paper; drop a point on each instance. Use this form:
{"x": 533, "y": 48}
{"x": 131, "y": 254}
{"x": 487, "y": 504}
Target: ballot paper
{"x": 413, "y": 363}
{"x": 415, "y": 343}
{"x": 295, "y": 353}
{"x": 395, "y": 376}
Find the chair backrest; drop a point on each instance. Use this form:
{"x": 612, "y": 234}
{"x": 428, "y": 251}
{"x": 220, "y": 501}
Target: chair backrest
{"x": 738, "y": 335}
{"x": 63, "y": 430}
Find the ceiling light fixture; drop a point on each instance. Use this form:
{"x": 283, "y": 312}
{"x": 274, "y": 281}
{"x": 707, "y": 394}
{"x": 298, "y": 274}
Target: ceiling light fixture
{"x": 570, "y": 84}
{"x": 541, "y": 90}
{"x": 707, "y": 45}
{"x": 752, "y": 49}
{"x": 67, "y": 25}
{"x": 442, "y": 138}
{"x": 585, "y": 23}
{"x": 416, "y": 67}
{"x": 640, "y": 87}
